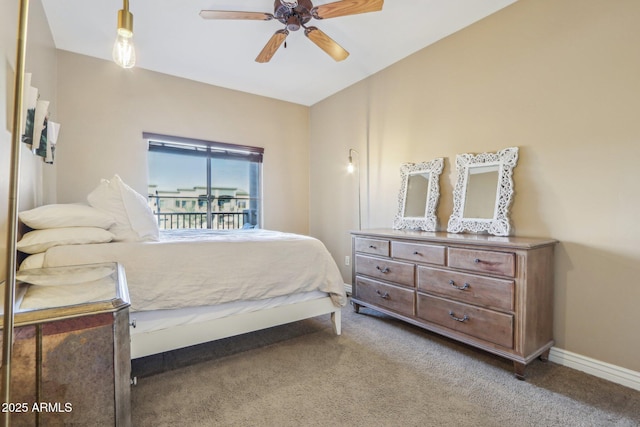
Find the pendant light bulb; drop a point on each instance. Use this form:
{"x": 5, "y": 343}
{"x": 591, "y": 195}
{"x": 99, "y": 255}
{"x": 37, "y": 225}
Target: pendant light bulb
{"x": 124, "y": 53}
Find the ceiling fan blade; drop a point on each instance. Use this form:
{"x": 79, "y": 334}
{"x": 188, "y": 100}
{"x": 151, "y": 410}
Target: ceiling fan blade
{"x": 326, "y": 43}
{"x": 346, "y": 7}
{"x": 272, "y": 45}
{"x": 228, "y": 14}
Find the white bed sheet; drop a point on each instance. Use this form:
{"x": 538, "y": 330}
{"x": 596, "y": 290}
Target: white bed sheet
{"x": 191, "y": 268}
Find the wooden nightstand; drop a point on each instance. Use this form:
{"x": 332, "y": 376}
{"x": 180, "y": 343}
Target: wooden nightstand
{"x": 71, "y": 359}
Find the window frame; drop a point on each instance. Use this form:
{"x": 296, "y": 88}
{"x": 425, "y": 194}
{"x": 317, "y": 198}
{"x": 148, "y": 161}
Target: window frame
{"x": 209, "y": 150}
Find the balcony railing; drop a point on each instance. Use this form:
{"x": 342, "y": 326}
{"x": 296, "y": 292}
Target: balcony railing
{"x": 171, "y": 218}
{"x": 221, "y": 220}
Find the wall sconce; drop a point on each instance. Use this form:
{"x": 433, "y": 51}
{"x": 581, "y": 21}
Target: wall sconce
{"x": 351, "y": 169}
{"x": 124, "y": 54}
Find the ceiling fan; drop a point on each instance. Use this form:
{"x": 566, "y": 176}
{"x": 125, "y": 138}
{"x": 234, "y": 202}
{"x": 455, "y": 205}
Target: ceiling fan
{"x": 295, "y": 15}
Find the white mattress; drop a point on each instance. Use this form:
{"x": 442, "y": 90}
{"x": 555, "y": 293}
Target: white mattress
{"x": 150, "y": 321}
{"x": 193, "y": 268}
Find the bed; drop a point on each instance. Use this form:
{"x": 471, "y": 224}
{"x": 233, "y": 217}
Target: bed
{"x": 194, "y": 286}
{"x": 187, "y": 286}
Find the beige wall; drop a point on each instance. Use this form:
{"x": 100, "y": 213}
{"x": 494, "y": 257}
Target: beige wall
{"x": 560, "y": 80}
{"x": 104, "y": 110}
{"x": 41, "y": 62}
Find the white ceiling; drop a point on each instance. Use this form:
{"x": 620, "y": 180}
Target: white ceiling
{"x": 171, "y": 38}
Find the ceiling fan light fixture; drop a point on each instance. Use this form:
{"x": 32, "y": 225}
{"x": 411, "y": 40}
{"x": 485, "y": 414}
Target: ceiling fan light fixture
{"x": 293, "y": 23}
{"x": 124, "y": 53}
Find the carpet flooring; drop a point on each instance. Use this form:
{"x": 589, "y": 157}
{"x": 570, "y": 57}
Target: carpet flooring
{"x": 379, "y": 372}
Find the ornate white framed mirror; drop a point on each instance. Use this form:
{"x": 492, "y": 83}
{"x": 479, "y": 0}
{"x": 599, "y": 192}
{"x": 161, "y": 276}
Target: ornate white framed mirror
{"x": 418, "y": 196}
{"x": 483, "y": 192}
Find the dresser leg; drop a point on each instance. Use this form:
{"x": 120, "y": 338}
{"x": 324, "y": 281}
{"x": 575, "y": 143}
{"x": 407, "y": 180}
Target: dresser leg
{"x": 518, "y": 369}
{"x": 356, "y": 307}
{"x": 545, "y": 356}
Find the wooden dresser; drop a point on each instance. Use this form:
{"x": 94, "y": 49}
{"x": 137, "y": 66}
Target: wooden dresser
{"x": 494, "y": 293}
{"x": 71, "y": 363}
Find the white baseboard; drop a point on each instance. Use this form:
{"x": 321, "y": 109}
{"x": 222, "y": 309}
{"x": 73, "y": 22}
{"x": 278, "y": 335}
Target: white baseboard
{"x": 607, "y": 371}
{"x": 348, "y": 288}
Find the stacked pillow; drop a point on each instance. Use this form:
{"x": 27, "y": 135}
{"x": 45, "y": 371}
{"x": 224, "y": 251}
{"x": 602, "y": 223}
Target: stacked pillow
{"x": 61, "y": 224}
{"x": 115, "y": 212}
{"x": 134, "y": 220}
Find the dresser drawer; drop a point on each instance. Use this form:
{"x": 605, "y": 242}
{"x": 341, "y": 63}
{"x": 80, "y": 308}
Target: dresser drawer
{"x": 386, "y": 269}
{"x": 392, "y": 297}
{"x": 372, "y": 246}
{"x": 477, "y": 322}
{"x": 419, "y": 253}
{"x": 478, "y": 290}
{"x": 502, "y": 263}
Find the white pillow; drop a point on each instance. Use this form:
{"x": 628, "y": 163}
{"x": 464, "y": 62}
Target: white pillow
{"x": 37, "y": 241}
{"x": 134, "y": 218}
{"x": 66, "y": 215}
{"x": 32, "y": 261}
{"x": 67, "y": 275}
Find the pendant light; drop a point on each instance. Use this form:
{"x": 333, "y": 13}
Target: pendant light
{"x": 124, "y": 53}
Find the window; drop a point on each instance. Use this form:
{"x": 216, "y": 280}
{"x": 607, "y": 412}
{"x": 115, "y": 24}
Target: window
{"x": 204, "y": 184}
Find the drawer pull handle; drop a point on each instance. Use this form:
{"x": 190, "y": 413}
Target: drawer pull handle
{"x": 460, "y": 288}
{"x": 458, "y": 319}
{"x": 372, "y": 247}
{"x": 381, "y": 295}
{"x": 477, "y": 261}
{"x": 382, "y": 270}
{"x": 416, "y": 253}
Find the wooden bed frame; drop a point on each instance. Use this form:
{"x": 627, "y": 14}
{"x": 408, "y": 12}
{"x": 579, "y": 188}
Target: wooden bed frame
{"x": 148, "y": 343}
